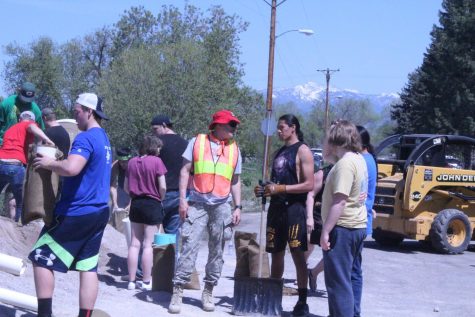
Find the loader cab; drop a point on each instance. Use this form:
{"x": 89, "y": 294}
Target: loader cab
{"x": 393, "y": 152}
{"x": 446, "y": 151}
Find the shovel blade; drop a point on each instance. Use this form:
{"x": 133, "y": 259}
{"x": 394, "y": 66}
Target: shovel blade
{"x": 255, "y": 296}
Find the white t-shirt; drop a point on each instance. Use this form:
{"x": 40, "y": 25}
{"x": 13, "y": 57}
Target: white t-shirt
{"x": 209, "y": 199}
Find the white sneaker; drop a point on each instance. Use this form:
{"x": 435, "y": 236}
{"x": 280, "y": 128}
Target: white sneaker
{"x": 131, "y": 286}
{"x": 145, "y": 287}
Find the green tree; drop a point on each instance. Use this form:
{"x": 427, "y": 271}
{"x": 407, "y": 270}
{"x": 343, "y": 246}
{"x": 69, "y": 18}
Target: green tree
{"x": 76, "y": 70}
{"x": 40, "y": 64}
{"x": 440, "y": 95}
{"x": 137, "y": 27}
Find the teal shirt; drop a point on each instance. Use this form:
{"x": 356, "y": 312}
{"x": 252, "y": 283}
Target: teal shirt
{"x": 10, "y": 111}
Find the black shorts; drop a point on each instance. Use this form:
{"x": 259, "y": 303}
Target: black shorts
{"x": 317, "y": 227}
{"x": 286, "y": 223}
{"x": 146, "y": 210}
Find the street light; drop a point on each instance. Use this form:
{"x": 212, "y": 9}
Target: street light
{"x": 307, "y": 32}
{"x": 270, "y": 79}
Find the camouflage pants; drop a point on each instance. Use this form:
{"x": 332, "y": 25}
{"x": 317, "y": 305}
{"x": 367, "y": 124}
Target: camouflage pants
{"x": 200, "y": 217}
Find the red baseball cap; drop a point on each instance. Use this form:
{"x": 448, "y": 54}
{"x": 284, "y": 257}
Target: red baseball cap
{"x": 223, "y": 117}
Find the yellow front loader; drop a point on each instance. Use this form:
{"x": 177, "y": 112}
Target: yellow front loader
{"x": 427, "y": 193}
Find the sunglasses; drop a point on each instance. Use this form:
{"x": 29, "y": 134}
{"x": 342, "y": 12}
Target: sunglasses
{"x": 233, "y": 124}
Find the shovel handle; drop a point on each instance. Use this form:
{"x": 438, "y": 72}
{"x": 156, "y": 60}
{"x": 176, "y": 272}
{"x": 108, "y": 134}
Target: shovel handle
{"x": 262, "y": 232}
{"x": 264, "y": 198}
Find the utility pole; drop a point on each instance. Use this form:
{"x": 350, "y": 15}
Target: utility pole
{"x": 328, "y": 73}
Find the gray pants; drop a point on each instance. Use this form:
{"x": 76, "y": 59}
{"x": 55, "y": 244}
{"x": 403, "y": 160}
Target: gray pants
{"x": 201, "y": 216}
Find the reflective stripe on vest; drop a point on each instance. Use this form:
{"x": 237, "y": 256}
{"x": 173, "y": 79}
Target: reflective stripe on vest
{"x": 210, "y": 177}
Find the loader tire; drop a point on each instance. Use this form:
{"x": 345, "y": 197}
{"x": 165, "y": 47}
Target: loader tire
{"x": 450, "y": 232}
{"x": 387, "y": 238}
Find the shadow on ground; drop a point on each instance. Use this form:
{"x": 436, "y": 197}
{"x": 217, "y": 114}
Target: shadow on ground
{"x": 6, "y": 311}
{"x": 406, "y": 247}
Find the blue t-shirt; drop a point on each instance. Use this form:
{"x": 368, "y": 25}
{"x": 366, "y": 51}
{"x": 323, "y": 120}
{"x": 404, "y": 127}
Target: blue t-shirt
{"x": 88, "y": 192}
{"x": 372, "y": 177}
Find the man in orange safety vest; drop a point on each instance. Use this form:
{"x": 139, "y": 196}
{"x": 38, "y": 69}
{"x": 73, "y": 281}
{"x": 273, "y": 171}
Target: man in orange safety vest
{"x": 214, "y": 160}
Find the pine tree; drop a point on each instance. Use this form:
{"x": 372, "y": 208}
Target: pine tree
{"x": 440, "y": 95}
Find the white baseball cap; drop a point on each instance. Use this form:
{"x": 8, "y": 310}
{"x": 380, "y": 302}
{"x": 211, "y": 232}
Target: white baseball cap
{"x": 27, "y": 115}
{"x": 93, "y": 102}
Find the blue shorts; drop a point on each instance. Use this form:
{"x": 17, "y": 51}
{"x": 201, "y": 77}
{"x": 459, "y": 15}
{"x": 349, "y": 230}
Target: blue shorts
{"x": 71, "y": 243}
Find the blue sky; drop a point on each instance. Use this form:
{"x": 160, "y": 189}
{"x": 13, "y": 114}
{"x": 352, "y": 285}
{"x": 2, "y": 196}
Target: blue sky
{"x": 374, "y": 43}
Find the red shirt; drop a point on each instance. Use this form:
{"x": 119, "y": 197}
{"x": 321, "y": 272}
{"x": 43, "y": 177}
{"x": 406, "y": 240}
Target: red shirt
{"x": 16, "y": 141}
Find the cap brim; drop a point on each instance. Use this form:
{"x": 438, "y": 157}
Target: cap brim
{"x": 26, "y": 99}
{"x": 101, "y": 114}
{"x": 211, "y": 126}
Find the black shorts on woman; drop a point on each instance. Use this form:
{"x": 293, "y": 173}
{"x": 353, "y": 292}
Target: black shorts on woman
{"x": 146, "y": 210}
{"x": 286, "y": 224}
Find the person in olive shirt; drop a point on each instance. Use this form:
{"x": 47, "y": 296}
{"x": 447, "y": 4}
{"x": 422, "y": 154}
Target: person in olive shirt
{"x": 12, "y": 106}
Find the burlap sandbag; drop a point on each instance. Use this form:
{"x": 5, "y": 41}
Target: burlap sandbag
{"x": 253, "y": 254}
{"x": 163, "y": 268}
{"x": 194, "y": 281}
{"x": 116, "y": 219}
{"x": 241, "y": 241}
{"x": 39, "y": 191}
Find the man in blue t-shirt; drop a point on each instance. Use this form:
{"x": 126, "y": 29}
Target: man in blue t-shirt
{"x": 73, "y": 239}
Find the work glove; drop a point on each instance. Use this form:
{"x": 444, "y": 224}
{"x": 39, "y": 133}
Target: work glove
{"x": 259, "y": 190}
{"x": 274, "y": 189}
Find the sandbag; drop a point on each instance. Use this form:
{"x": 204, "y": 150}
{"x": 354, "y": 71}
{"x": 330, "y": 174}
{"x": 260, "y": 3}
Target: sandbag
{"x": 40, "y": 191}
{"x": 194, "y": 281}
{"x": 241, "y": 242}
{"x": 116, "y": 218}
{"x": 71, "y": 127}
{"x": 163, "y": 268}
{"x": 253, "y": 255}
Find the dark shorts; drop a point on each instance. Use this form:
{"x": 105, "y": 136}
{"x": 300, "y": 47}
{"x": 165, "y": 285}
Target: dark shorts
{"x": 71, "y": 243}
{"x": 317, "y": 227}
{"x": 146, "y": 210}
{"x": 286, "y": 224}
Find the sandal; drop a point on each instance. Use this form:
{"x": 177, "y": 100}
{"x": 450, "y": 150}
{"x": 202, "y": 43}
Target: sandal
{"x": 312, "y": 281}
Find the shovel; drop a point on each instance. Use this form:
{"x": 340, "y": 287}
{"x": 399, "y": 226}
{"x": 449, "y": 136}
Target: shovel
{"x": 258, "y": 296}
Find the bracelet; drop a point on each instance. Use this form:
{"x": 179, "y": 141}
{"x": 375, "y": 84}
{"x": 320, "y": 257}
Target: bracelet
{"x": 237, "y": 206}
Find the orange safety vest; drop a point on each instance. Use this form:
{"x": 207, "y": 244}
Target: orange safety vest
{"x": 210, "y": 177}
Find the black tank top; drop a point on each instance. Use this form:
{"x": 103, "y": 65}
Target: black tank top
{"x": 284, "y": 171}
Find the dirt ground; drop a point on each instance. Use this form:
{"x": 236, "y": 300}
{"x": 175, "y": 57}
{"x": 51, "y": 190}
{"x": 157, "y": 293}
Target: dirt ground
{"x": 406, "y": 281}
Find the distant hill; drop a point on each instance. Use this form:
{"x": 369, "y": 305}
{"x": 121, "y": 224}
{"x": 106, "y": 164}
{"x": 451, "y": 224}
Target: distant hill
{"x": 306, "y": 95}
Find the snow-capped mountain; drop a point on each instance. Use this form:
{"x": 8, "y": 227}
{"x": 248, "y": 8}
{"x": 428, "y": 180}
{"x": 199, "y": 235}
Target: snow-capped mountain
{"x": 307, "y": 95}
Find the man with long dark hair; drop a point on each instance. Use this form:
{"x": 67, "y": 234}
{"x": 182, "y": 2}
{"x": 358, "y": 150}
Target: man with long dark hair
{"x": 288, "y": 220}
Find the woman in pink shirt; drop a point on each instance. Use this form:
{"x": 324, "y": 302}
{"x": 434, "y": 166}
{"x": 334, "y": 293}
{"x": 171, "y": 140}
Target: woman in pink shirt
{"x": 145, "y": 183}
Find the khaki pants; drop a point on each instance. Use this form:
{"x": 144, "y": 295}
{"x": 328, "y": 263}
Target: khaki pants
{"x": 201, "y": 217}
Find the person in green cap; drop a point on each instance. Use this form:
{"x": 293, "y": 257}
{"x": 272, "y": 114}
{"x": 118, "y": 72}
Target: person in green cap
{"x": 15, "y": 104}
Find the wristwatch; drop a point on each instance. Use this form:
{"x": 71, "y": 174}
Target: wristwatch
{"x": 237, "y": 206}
